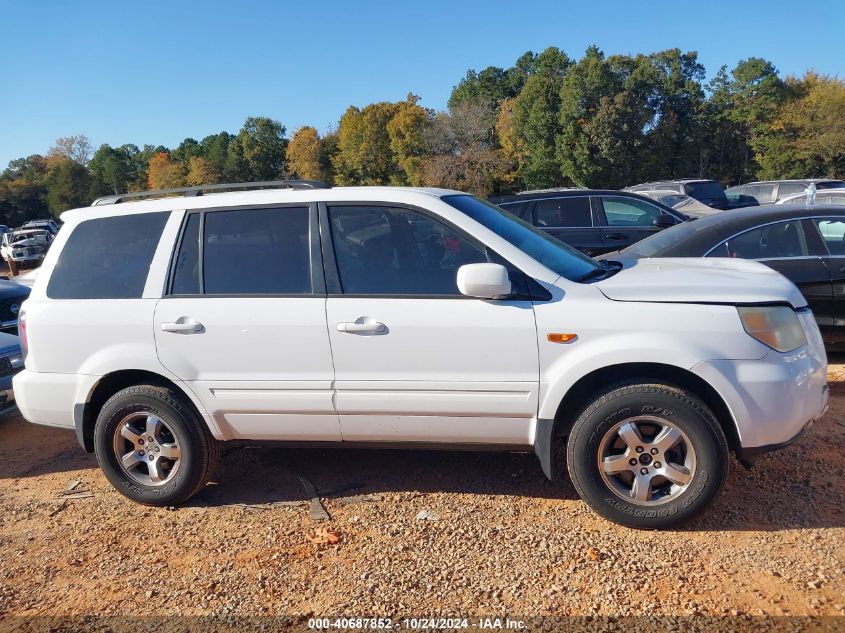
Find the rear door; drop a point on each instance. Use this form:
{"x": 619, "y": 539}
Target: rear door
{"x": 627, "y": 220}
{"x": 244, "y": 322}
{"x": 571, "y": 219}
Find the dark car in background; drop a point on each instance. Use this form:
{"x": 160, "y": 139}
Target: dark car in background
{"x": 594, "y": 221}
{"x": 806, "y": 245}
{"x": 12, "y": 295}
{"x": 708, "y": 192}
{"x": 768, "y": 191}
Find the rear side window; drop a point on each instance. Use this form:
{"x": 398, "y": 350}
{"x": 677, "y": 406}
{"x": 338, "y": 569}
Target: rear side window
{"x": 784, "y": 239}
{"x": 244, "y": 252}
{"x": 107, "y": 258}
{"x": 563, "y": 212}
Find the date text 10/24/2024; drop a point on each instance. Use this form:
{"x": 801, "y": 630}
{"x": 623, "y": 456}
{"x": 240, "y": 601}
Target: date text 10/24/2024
{"x": 433, "y": 623}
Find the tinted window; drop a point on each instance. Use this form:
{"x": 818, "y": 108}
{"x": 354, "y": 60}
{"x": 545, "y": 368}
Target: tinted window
{"x": 707, "y": 190}
{"x": 550, "y": 252}
{"x": 256, "y": 251}
{"x": 720, "y": 251}
{"x": 833, "y": 233}
{"x": 830, "y": 184}
{"x": 565, "y": 212}
{"x": 784, "y": 239}
{"x": 385, "y": 251}
{"x": 629, "y": 212}
{"x": 107, "y": 258}
{"x": 186, "y": 274}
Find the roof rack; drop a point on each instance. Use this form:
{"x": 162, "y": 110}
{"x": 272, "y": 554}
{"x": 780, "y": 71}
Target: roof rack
{"x": 201, "y": 189}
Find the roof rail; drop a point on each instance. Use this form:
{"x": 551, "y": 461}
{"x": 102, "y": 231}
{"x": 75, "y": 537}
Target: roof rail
{"x": 200, "y": 189}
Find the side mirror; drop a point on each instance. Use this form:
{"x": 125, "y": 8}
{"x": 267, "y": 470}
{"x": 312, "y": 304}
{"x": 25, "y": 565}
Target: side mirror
{"x": 665, "y": 220}
{"x": 484, "y": 281}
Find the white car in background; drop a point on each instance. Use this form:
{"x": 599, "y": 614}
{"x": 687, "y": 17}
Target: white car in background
{"x": 25, "y": 245}
{"x": 823, "y": 196}
{"x": 383, "y": 316}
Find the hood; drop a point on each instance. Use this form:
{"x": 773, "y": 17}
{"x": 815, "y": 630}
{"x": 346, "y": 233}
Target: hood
{"x": 700, "y": 280}
{"x": 10, "y": 289}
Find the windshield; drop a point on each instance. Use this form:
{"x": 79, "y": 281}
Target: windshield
{"x": 552, "y": 253}
{"x": 707, "y": 189}
{"x": 657, "y": 243}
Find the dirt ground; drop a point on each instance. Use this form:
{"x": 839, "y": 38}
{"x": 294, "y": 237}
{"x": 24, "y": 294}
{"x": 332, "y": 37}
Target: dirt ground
{"x": 445, "y": 534}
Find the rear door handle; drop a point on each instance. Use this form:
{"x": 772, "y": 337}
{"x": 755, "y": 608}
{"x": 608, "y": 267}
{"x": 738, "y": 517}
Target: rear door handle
{"x": 186, "y": 326}
{"x": 617, "y": 236}
{"x": 362, "y": 325}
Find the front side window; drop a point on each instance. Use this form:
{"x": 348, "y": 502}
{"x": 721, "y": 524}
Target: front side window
{"x": 517, "y": 208}
{"x": 783, "y": 239}
{"x": 624, "y": 212}
{"x": 563, "y": 212}
{"x": 107, "y": 258}
{"x": 244, "y": 252}
{"x": 395, "y": 251}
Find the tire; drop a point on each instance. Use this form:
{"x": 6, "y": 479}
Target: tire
{"x": 670, "y": 483}
{"x": 182, "y": 456}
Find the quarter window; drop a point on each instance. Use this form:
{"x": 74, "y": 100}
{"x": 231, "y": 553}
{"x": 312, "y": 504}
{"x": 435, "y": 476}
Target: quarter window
{"x": 389, "y": 251}
{"x": 833, "y": 233}
{"x": 107, "y": 258}
{"x": 784, "y": 239}
{"x": 563, "y": 212}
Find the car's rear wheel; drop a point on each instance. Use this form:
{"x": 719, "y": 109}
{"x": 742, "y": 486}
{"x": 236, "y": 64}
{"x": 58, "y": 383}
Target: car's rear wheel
{"x": 152, "y": 445}
{"x": 647, "y": 455}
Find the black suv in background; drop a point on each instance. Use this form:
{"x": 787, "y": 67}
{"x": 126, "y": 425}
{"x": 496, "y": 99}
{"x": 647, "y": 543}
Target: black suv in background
{"x": 594, "y": 221}
{"x": 709, "y": 192}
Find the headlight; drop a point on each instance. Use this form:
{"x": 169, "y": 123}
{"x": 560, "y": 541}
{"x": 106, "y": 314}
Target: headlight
{"x": 775, "y": 326}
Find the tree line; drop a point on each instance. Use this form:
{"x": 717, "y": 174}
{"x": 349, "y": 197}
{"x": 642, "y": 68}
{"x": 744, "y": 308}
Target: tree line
{"x": 548, "y": 120}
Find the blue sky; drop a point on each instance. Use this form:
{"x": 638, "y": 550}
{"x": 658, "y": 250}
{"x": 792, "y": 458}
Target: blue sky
{"x": 157, "y": 72}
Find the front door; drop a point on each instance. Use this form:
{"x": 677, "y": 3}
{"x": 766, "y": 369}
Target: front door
{"x": 831, "y": 231}
{"x": 415, "y": 360}
{"x": 244, "y": 323}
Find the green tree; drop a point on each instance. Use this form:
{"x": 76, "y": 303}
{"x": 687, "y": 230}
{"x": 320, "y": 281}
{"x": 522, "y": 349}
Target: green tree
{"x": 536, "y": 114}
{"x": 262, "y": 145}
{"x": 68, "y": 186}
{"x": 493, "y": 84}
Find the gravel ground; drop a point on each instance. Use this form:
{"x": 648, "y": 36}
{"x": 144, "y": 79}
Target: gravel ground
{"x": 434, "y": 534}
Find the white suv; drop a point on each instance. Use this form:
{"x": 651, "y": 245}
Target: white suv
{"x": 163, "y": 328}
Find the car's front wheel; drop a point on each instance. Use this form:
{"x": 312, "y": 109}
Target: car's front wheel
{"x": 152, "y": 445}
{"x": 647, "y": 455}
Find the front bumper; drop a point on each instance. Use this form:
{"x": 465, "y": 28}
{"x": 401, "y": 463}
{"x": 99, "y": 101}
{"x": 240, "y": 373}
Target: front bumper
{"x": 774, "y": 399}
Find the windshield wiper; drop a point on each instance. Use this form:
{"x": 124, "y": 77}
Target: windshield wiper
{"x": 607, "y": 268}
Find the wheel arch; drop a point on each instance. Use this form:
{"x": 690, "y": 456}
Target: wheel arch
{"x": 549, "y": 433}
{"x": 85, "y": 415}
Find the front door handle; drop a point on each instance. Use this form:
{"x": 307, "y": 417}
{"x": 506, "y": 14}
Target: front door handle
{"x": 362, "y": 325}
{"x": 617, "y": 236}
{"x": 182, "y": 326}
